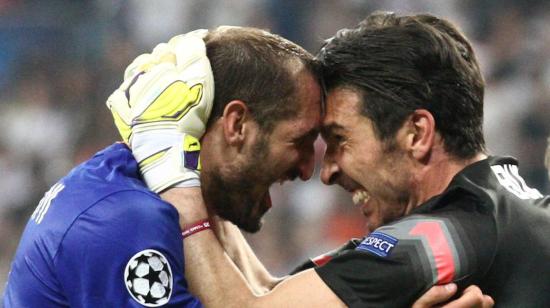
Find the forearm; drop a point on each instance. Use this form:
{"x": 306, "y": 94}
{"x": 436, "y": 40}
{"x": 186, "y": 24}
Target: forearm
{"x": 209, "y": 270}
{"x": 217, "y": 282}
{"x": 240, "y": 252}
{"x": 210, "y": 273}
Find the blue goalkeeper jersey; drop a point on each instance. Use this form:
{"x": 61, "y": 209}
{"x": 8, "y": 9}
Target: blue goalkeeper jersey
{"x": 100, "y": 238}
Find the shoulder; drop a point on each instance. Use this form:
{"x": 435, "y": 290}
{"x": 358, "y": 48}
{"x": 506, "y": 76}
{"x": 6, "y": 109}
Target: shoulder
{"x": 495, "y": 180}
{"x": 133, "y": 204}
{"x": 418, "y": 251}
{"x": 121, "y": 224}
{"x": 129, "y": 214}
{"x": 126, "y": 248}
{"x": 453, "y": 244}
{"x": 118, "y": 228}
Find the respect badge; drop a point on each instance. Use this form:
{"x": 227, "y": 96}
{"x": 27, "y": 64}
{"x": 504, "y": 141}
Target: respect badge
{"x": 378, "y": 243}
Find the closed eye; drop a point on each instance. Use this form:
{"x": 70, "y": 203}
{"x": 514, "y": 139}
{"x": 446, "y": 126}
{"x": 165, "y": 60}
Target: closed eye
{"x": 332, "y": 133}
{"x": 334, "y": 138}
{"x": 307, "y": 138}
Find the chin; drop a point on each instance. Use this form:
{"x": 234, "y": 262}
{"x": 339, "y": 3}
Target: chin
{"x": 251, "y": 227}
{"x": 247, "y": 224}
{"x": 241, "y": 217}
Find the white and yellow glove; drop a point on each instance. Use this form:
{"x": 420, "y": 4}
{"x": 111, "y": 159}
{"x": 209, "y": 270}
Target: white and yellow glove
{"x": 162, "y": 107}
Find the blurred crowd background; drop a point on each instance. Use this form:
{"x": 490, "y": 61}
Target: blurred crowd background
{"x": 60, "y": 60}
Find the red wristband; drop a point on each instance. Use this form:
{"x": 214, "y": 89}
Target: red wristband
{"x": 197, "y": 227}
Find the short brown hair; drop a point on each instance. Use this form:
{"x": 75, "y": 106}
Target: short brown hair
{"x": 254, "y": 66}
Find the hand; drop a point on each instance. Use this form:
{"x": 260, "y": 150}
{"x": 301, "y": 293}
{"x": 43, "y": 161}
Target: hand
{"x": 471, "y": 297}
{"x": 162, "y": 107}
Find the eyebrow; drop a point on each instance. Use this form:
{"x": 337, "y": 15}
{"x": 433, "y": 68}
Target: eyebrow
{"x": 327, "y": 129}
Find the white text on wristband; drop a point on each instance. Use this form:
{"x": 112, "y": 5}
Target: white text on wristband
{"x": 198, "y": 226}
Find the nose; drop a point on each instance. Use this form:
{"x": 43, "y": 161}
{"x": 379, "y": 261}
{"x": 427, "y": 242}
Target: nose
{"x": 329, "y": 170}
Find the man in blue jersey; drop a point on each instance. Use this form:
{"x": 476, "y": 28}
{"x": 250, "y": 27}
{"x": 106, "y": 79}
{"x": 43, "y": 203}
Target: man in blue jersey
{"x": 102, "y": 237}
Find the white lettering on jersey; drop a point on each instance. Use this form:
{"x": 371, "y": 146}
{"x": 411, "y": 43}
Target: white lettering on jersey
{"x": 509, "y": 177}
{"x": 378, "y": 243}
{"x": 45, "y": 203}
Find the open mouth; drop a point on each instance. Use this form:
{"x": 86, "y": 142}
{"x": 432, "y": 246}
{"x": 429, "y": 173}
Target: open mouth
{"x": 360, "y": 197}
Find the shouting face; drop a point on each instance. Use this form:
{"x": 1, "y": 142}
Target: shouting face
{"x": 375, "y": 172}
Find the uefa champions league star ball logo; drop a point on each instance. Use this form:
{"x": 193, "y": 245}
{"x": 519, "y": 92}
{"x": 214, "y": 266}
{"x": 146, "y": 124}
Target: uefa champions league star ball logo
{"x": 148, "y": 278}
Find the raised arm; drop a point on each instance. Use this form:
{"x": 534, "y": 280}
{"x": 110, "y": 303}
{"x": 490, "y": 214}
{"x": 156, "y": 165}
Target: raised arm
{"x": 215, "y": 279}
{"x": 218, "y": 282}
{"x": 240, "y": 252}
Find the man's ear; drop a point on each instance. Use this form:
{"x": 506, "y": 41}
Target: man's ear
{"x": 421, "y": 135}
{"x": 235, "y": 116}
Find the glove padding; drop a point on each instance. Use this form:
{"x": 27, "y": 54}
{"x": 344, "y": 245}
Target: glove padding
{"x": 162, "y": 107}
{"x": 325, "y": 258}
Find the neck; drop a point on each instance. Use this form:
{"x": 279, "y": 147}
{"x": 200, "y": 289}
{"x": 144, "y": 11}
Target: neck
{"x": 435, "y": 176}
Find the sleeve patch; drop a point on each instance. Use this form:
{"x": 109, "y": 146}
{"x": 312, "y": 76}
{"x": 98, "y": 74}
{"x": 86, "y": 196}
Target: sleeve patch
{"x": 148, "y": 278}
{"x": 378, "y": 243}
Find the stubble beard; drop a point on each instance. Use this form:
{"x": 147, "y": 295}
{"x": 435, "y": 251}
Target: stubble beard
{"x": 228, "y": 194}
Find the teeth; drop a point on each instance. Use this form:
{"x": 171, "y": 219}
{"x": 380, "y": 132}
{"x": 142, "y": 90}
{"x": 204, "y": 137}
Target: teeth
{"x": 360, "y": 197}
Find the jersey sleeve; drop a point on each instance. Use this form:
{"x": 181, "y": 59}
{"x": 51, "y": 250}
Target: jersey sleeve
{"x": 324, "y": 258}
{"x": 125, "y": 251}
{"x": 394, "y": 265}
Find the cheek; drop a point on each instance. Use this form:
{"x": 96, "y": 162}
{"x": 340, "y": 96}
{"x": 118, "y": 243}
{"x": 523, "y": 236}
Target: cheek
{"x": 397, "y": 168}
{"x": 277, "y": 164}
{"x": 356, "y": 163}
{"x": 396, "y": 178}
{"x": 287, "y": 158}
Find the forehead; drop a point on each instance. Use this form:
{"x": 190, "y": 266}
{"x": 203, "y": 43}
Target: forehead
{"x": 343, "y": 106}
{"x": 308, "y": 99}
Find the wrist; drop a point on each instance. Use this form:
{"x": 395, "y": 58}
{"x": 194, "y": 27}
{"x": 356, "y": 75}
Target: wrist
{"x": 201, "y": 225}
{"x": 188, "y": 202}
{"x": 175, "y": 166}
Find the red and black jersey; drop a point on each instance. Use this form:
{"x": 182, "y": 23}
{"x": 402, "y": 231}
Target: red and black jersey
{"x": 487, "y": 228}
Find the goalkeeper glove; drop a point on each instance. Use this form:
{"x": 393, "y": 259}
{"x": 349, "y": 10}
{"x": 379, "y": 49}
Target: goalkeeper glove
{"x": 162, "y": 107}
